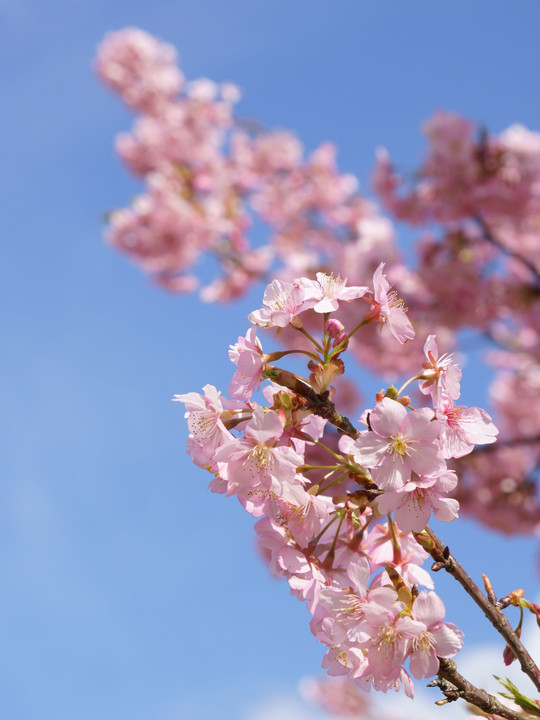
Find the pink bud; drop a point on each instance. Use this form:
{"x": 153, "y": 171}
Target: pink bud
{"x": 508, "y": 655}
{"x": 334, "y": 328}
{"x": 342, "y": 338}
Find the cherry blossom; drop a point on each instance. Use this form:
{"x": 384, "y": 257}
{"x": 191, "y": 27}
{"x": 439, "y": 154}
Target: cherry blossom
{"x": 416, "y": 500}
{"x": 283, "y": 301}
{"x": 477, "y": 268}
{"x": 388, "y": 309}
{"x": 438, "y": 639}
{"x": 248, "y": 355}
{"x": 462, "y": 428}
{"x": 139, "y": 67}
{"x": 440, "y": 373}
{"x": 386, "y": 545}
{"x": 338, "y": 696}
{"x": 399, "y": 442}
{"x": 385, "y": 633}
{"x": 301, "y": 513}
{"x": 257, "y": 465}
{"x": 359, "y": 580}
{"x": 333, "y": 289}
{"x": 204, "y": 414}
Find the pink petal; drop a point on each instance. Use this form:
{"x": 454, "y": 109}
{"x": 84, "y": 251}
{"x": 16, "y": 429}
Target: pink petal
{"x": 449, "y": 640}
{"x": 423, "y": 664}
{"x": 427, "y": 460}
{"x": 429, "y": 608}
{"x": 386, "y": 417}
{"x": 369, "y": 449}
{"x": 414, "y": 514}
{"x": 446, "y": 509}
{"x": 264, "y": 427}
{"x": 391, "y": 474}
{"x": 400, "y": 326}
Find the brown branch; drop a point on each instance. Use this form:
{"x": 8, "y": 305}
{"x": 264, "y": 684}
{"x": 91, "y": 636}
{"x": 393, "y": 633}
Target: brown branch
{"x": 454, "y": 686}
{"x": 443, "y": 559}
{"x": 319, "y": 404}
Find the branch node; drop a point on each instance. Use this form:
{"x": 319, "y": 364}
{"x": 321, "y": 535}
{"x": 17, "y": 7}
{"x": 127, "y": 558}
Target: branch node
{"x": 446, "y": 552}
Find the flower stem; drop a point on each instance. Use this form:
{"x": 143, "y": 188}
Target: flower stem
{"x": 312, "y": 339}
{"x": 333, "y": 482}
{"x": 409, "y": 381}
{"x": 272, "y": 357}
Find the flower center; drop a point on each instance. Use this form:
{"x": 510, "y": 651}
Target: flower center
{"x": 281, "y": 301}
{"x": 260, "y": 459}
{"x": 261, "y": 455}
{"x": 399, "y": 445}
{"x": 332, "y": 284}
{"x": 386, "y": 639}
{"x": 423, "y": 643}
{"x": 394, "y": 301}
{"x": 454, "y": 416}
{"x": 203, "y": 424}
{"x": 351, "y": 607}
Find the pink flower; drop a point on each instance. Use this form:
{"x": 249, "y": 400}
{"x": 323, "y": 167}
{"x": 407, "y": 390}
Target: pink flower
{"x": 388, "y": 308}
{"x": 462, "y": 428}
{"x": 440, "y": 373}
{"x": 248, "y": 355}
{"x": 282, "y": 301}
{"x": 344, "y": 661}
{"x": 342, "y": 606}
{"x": 439, "y": 639}
{"x": 204, "y": 421}
{"x": 333, "y": 289}
{"x": 256, "y": 465}
{"x": 407, "y": 558}
{"x": 287, "y": 560}
{"x": 400, "y": 442}
{"x": 385, "y": 633}
{"x": 301, "y": 513}
{"x": 334, "y": 328}
{"x": 414, "y": 502}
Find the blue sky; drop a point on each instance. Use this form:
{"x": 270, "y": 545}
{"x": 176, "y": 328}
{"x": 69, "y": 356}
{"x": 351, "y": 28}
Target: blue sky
{"x": 128, "y": 590}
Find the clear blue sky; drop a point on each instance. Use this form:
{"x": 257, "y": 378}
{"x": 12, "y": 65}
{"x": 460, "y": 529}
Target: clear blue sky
{"x": 128, "y": 591}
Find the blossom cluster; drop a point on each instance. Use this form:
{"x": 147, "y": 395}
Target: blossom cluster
{"x": 343, "y": 517}
{"x": 481, "y": 270}
{"x": 466, "y": 173}
{"x": 208, "y": 176}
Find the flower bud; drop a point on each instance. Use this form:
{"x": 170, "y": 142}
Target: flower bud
{"x": 342, "y": 338}
{"x": 334, "y": 328}
{"x": 508, "y": 655}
